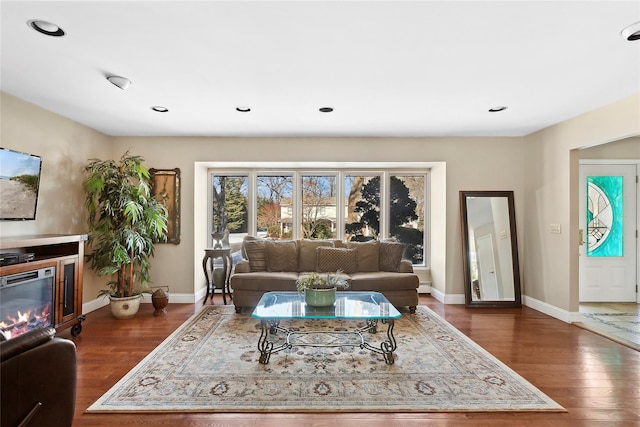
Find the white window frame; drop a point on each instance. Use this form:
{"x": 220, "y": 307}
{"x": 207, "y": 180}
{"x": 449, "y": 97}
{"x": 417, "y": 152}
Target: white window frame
{"x": 339, "y": 172}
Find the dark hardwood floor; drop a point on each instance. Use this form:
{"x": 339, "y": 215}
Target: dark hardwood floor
{"x": 595, "y": 379}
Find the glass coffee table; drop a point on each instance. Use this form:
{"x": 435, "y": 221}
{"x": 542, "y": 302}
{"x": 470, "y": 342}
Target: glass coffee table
{"x": 367, "y": 307}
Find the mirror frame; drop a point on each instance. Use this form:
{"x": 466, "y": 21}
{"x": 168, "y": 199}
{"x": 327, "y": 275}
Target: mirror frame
{"x": 517, "y": 302}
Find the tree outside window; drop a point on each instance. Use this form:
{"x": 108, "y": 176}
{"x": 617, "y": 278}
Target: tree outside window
{"x": 404, "y": 221}
{"x": 230, "y": 205}
{"x": 275, "y": 194}
{"x": 318, "y": 207}
{"x": 356, "y": 190}
{"x": 406, "y": 214}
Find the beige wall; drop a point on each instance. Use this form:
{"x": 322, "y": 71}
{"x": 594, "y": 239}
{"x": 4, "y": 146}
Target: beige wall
{"x": 541, "y": 169}
{"x": 467, "y": 162}
{"x": 551, "y": 197}
{"x": 625, "y": 149}
{"x": 64, "y": 147}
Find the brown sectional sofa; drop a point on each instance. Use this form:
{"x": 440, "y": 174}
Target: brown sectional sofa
{"x": 275, "y": 265}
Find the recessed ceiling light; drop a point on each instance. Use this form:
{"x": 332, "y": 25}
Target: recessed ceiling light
{"x": 326, "y": 109}
{"x": 46, "y": 28}
{"x": 121, "y": 82}
{"x": 497, "y": 109}
{"x": 160, "y": 109}
{"x": 632, "y": 32}
{"x": 243, "y": 109}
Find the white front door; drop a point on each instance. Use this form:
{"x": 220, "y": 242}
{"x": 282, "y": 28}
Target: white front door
{"x": 608, "y": 224}
{"x": 487, "y": 269}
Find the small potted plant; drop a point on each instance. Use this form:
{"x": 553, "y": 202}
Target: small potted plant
{"x": 320, "y": 291}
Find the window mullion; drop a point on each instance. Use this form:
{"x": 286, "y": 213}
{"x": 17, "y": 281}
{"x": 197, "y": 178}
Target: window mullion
{"x": 340, "y": 209}
{"x": 296, "y": 204}
{"x": 384, "y": 205}
{"x": 253, "y": 203}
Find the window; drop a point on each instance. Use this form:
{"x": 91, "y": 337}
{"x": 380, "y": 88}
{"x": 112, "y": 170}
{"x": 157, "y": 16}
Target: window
{"x": 319, "y": 205}
{"x": 353, "y": 205}
{"x": 362, "y": 207}
{"x": 230, "y": 206}
{"x": 274, "y": 198}
{"x": 406, "y": 214}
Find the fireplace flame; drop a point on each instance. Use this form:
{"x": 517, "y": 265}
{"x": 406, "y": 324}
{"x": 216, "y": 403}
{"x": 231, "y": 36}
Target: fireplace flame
{"x": 20, "y": 323}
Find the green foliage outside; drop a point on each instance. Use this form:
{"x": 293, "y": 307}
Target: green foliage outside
{"x": 230, "y": 205}
{"x": 402, "y": 210}
{"x": 321, "y": 230}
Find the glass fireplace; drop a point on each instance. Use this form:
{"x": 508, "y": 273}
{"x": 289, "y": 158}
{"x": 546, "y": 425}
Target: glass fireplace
{"x": 26, "y": 301}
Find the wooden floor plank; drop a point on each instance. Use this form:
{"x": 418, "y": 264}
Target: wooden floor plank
{"x": 595, "y": 379}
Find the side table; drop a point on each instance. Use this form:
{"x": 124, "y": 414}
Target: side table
{"x": 210, "y": 254}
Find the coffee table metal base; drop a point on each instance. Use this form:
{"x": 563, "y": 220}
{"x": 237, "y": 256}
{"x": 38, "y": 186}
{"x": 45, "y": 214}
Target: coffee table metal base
{"x": 271, "y": 327}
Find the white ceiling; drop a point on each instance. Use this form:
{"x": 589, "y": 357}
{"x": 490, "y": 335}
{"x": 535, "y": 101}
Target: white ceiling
{"x": 388, "y": 68}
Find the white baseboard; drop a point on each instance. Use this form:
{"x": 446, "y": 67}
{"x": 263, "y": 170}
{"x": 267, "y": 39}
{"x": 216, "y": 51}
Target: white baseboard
{"x": 551, "y": 310}
{"x": 447, "y": 298}
{"x": 424, "y": 288}
{"x": 95, "y": 304}
{"x": 174, "y": 298}
{"x": 543, "y": 307}
{"x": 200, "y": 293}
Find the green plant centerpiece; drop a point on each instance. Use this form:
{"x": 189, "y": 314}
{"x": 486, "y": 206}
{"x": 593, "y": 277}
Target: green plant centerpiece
{"x": 124, "y": 223}
{"x": 320, "y": 290}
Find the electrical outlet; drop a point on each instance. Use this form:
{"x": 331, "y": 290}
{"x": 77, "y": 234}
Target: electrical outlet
{"x": 555, "y": 228}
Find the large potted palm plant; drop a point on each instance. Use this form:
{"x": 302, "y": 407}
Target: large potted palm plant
{"x": 125, "y": 221}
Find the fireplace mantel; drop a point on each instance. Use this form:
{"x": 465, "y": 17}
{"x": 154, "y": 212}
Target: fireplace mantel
{"x": 13, "y": 242}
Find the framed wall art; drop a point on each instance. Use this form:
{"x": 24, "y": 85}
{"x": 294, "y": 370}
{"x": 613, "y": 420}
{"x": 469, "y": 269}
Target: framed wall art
{"x": 165, "y": 187}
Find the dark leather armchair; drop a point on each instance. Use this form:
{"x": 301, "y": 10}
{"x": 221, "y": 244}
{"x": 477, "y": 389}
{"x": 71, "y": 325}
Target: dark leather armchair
{"x": 37, "y": 380}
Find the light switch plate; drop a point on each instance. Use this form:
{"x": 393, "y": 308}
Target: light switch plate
{"x": 555, "y": 228}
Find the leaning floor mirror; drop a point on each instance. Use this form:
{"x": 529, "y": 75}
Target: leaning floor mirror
{"x": 490, "y": 249}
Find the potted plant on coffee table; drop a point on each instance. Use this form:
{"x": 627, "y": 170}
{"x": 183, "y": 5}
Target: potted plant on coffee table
{"x": 124, "y": 223}
{"x": 320, "y": 290}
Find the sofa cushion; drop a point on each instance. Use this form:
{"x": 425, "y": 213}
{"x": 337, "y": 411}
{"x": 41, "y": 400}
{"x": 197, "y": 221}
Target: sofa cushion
{"x": 334, "y": 259}
{"x": 256, "y": 254}
{"x": 383, "y": 281}
{"x": 367, "y": 254}
{"x": 390, "y": 256}
{"x": 246, "y": 239}
{"x": 265, "y": 281}
{"x": 307, "y": 255}
{"x": 282, "y": 255}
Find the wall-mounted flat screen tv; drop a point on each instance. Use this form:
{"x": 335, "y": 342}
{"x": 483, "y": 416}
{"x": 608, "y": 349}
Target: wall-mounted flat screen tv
{"x": 19, "y": 184}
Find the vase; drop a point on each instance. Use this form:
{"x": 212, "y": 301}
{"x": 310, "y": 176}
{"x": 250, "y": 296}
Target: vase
{"x": 125, "y": 308}
{"x": 217, "y": 237}
{"x": 160, "y": 300}
{"x": 320, "y": 297}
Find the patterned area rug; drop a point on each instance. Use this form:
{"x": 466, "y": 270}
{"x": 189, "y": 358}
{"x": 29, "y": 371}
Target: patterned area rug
{"x": 210, "y": 364}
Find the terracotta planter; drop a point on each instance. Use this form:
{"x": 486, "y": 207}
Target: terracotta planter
{"x": 320, "y": 297}
{"x": 125, "y": 308}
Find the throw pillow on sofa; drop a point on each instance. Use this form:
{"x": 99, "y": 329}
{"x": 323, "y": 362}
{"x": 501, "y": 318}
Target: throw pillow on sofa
{"x": 331, "y": 260}
{"x": 390, "y": 256}
{"x": 367, "y": 254}
{"x": 282, "y": 255}
{"x": 254, "y": 251}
